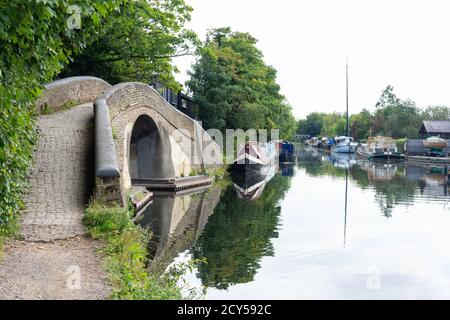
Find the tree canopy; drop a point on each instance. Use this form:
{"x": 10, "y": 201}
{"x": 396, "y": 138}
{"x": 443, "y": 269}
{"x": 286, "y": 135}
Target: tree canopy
{"x": 36, "y": 38}
{"x": 137, "y": 42}
{"x": 392, "y": 116}
{"x": 234, "y": 88}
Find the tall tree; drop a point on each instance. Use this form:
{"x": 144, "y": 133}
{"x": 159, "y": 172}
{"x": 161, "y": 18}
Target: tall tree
{"x": 138, "y": 42}
{"x": 234, "y": 88}
{"x": 313, "y": 124}
{"x": 436, "y": 113}
{"x": 360, "y": 124}
{"x": 398, "y": 118}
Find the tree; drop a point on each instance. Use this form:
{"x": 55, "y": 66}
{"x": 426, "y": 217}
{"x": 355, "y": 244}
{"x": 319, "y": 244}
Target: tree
{"x": 436, "y": 113}
{"x": 36, "y": 40}
{"x": 234, "y": 88}
{"x": 313, "y": 124}
{"x": 137, "y": 43}
{"x": 395, "y": 117}
{"x": 360, "y": 124}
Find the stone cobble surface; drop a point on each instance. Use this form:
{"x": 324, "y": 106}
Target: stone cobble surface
{"x": 52, "y": 259}
{"x": 61, "y": 178}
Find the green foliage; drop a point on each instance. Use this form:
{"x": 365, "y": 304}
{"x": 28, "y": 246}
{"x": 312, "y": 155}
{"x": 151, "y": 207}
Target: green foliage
{"x": 323, "y": 124}
{"x": 360, "y": 124}
{"x": 436, "y": 113}
{"x": 35, "y": 43}
{"x": 217, "y": 173}
{"x": 395, "y": 117}
{"x": 195, "y": 172}
{"x": 102, "y": 220}
{"x": 46, "y": 110}
{"x": 138, "y": 42}
{"x": 234, "y": 88}
{"x": 127, "y": 257}
{"x": 400, "y": 144}
{"x": 312, "y": 125}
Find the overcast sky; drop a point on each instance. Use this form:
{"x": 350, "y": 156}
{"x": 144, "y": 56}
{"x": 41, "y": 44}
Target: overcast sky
{"x": 405, "y": 43}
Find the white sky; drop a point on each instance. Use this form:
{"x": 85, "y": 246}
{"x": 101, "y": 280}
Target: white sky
{"x": 405, "y": 43}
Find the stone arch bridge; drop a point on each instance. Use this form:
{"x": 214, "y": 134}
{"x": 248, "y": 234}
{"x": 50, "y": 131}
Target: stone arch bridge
{"x": 138, "y": 135}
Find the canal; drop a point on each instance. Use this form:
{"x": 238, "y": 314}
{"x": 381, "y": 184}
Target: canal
{"x": 325, "y": 227}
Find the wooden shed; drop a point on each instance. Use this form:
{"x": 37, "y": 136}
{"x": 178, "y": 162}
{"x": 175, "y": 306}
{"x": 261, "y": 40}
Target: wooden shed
{"x": 435, "y": 128}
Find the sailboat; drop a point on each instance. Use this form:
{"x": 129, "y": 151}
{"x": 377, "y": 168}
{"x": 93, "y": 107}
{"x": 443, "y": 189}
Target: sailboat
{"x": 345, "y": 144}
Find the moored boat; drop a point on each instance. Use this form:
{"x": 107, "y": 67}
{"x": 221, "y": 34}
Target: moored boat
{"x": 285, "y": 151}
{"x": 256, "y": 158}
{"x": 314, "y": 142}
{"x": 382, "y": 149}
{"x": 435, "y": 145}
{"x": 344, "y": 144}
{"x": 250, "y": 186}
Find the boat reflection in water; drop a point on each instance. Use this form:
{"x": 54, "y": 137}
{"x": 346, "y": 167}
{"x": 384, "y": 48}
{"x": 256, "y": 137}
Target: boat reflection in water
{"x": 176, "y": 221}
{"x": 342, "y": 160}
{"x": 378, "y": 171}
{"x": 394, "y": 184}
{"x": 250, "y": 186}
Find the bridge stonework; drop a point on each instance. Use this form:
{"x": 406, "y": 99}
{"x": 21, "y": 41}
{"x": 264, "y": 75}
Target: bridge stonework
{"x": 182, "y": 140}
{"x": 60, "y": 94}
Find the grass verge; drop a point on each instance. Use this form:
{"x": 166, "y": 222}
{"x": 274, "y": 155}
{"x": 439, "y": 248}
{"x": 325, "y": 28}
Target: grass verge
{"x": 127, "y": 256}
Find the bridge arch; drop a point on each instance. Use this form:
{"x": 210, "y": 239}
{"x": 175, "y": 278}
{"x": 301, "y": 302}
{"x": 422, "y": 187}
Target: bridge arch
{"x": 150, "y": 155}
{"x": 133, "y": 121}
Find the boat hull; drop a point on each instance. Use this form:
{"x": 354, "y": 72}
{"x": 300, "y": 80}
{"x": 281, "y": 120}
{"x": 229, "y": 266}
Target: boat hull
{"x": 435, "y": 146}
{"x": 343, "y": 149}
{"x": 383, "y": 157}
{"x": 251, "y": 168}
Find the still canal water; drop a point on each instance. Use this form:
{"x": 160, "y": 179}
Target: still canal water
{"x": 325, "y": 227}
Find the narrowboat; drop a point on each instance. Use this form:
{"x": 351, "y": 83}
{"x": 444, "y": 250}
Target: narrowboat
{"x": 285, "y": 151}
{"x": 255, "y": 158}
{"x": 382, "y": 149}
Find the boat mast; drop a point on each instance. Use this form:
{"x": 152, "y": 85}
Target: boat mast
{"x": 346, "y": 92}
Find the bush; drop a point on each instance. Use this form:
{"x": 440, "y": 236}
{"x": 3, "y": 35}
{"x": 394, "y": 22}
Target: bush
{"x": 35, "y": 44}
{"x": 400, "y": 144}
{"x": 127, "y": 256}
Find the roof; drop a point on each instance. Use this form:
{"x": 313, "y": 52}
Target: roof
{"x": 435, "y": 126}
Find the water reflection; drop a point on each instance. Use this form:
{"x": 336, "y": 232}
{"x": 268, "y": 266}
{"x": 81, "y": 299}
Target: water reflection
{"x": 239, "y": 234}
{"x": 176, "y": 221}
{"x": 394, "y": 184}
{"x": 317, "y": 229}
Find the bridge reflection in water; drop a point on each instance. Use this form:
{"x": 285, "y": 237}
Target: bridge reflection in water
{"x": 225, "y": 225}
{"x": 176, "y": 221}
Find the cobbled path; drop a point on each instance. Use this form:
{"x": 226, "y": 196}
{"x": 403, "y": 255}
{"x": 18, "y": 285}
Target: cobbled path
{"x": 53, "y": 258}
{"x": 60, "y": 181}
